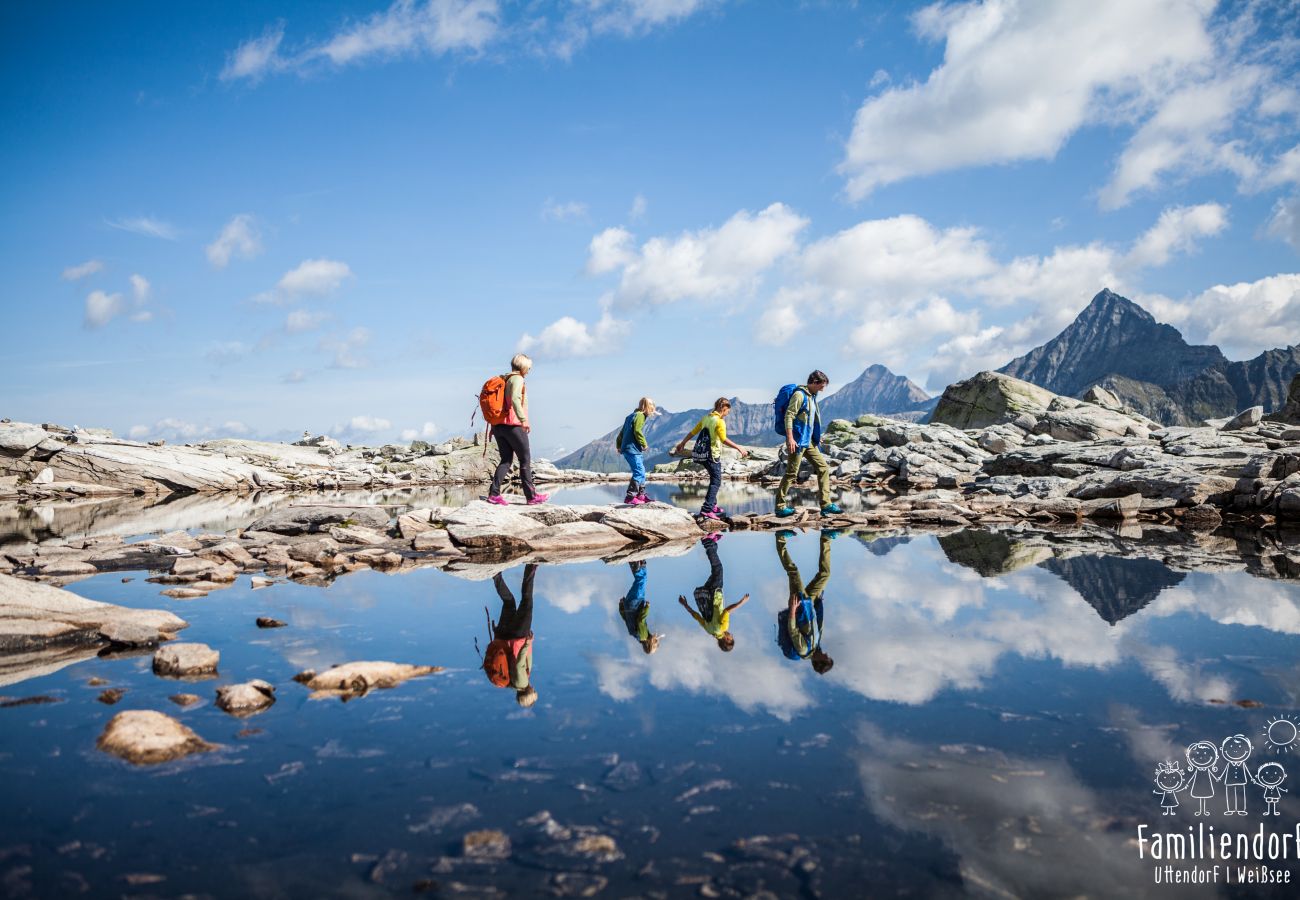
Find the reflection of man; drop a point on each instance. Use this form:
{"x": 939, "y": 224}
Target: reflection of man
{"x": 799, "y": 625}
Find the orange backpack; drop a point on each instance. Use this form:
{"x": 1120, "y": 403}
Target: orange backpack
{"x": 492, "y": 399}
{"x": 496, "y": 662}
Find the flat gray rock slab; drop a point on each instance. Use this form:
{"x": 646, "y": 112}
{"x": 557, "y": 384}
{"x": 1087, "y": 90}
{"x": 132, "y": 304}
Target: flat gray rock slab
{"x": 38, "y": 615}
{"x": 313, "y": 519}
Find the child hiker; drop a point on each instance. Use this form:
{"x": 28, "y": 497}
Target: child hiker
{"x": 632, "y": 444}
{"x": 714, "y": 615}
{"x": 712, "y": 431}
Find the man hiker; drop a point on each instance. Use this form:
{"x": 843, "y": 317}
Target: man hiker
{"x": 803, "y": 435}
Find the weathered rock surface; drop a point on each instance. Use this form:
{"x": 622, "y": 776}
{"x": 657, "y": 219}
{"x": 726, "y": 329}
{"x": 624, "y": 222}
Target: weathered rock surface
{"x": 652, "y": 521}
{"x": 186, "y": 660}
{"x": 144, "y": 737}
{"x": 306, "y": 519}
{"x": 34, "y": 616}
{"x": 356, "y": 679}
{"x": 246, "y": 699}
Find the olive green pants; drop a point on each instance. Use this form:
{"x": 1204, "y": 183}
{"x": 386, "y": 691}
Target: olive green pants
{"x": 792, "y": 472}
{"x": 814, "y": 588}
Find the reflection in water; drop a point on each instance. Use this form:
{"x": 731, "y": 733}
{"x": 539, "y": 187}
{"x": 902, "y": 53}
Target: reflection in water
{"x": 1115, "y": 587}
{"x": 635, "y": 609}
{"x": 799, "y": 625}
{"x": 714, "y": 615}
{"x": 508, "y": 659}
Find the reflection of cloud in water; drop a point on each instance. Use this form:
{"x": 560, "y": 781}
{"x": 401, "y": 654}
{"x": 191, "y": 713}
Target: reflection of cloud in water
{"x": 572, "y": 593}
{"x": 1020, "y": 827}
{"x": 1267, "y": 604}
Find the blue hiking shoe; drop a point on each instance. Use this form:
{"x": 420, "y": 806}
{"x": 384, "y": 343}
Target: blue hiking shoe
{"x": 785, "y": 533}
{"x": 784, "y": 511}
{"x": 831, "y": 533}
{"x": 831, "y": 509}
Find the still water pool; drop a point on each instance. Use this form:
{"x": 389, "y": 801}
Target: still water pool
{"x": 975, "y": 735}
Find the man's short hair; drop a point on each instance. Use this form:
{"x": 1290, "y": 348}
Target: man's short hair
{"x": 817, "y": 376}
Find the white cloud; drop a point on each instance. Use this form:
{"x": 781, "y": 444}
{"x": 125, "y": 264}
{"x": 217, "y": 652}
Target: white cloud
{"x": 554, "y": 211}
{"x": 405, "y": 28}
{"x": 101, "y": 308}
{"x": 234, "y": 427}
{"x": 627, "y": 18}
{"x": 566, "y": 337}
{"x": 1017, "y": 79}
{"x": 344, "y": 349}
{"x": 368, "y": 423}
{"x": 76, "y": 273}
{"x": 301, "y": 320}
{"x": 1286, "y": 169}
{"x": 145, "y": 225}
{"x": 140, "y": 288}
{"x": 295, "y": 376}
{"x": 256, "y": 57}
{"x": 1244, "y": 319}
{"x": 785, "y": 315}
{"x": 1177, "y": 230}
{"x": 311, "y": 277}
{"x": 891, "y": 340}
{"x": 425, "y": 432}
{"x": 1285, "y": 222}
{"x": 702, "y": 264}
{"x": 637, "y": 211}
{"x": 240, "y": 238}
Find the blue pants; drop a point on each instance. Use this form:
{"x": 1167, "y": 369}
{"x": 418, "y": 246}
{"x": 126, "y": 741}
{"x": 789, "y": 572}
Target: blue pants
{"x": 636, "y": 462}
{"x": 714, "y": 468}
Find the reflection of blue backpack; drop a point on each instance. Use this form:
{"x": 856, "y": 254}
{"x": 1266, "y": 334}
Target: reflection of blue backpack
{"x": 779, "y": 406}
{"x": 808, "y": 619}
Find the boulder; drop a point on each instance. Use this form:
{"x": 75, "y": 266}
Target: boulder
{"x": 989, "y": 398}
{"x": 144, "y": 737}
{"x": 1102, "y": 397}
{"x": 578, "y": 537}
{"x": 186, "y": 660}
{"x": 652, "y": 521}
{"x": 486, "y": 527}
{"x": 294, "y": 520}
{"x": 34, "y": 615}
{"x": 355, "y": 679}
{"x": 1247, "y": 418}
{"x": 246, "y": 699}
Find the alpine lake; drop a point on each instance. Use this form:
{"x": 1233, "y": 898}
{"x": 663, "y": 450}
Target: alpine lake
{"x": 992, "y": 725}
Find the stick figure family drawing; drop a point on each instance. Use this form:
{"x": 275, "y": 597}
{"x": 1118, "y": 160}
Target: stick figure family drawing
{"x": 1225, "y": 764}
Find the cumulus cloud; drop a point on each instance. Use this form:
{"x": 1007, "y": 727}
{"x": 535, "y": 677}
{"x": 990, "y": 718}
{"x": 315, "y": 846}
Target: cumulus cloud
{"x": 425, "y": 432}
{"x": 567, "y": 338}
{"x": 76, "y": 273}
{"x": 311, "y": 277}
{"x": 709, "y": 263}
{"x": 638, "y": 208}
{"x": 555, "y": 211}
{"x": 145, "y": 225}
{"x": 101, "y": 308}
{"x": 240, "y": 238}
{"x": 1177, "y": 231}
{"x": 301, "y": 320}
{"x": 344, "y": 349}
{"x": 140, "y": 288}
{"x": 406, "y": 28}
{"x": 1285, "y": 221}
{"x": 367, "y": 423}
{"x": 174, "y": 429}
{"x": 890, "y": 340}
{"x": 1244, "y": 319}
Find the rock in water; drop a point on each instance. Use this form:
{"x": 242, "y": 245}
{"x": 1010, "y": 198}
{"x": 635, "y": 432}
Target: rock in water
{"x": 312, "y": 519}
{"x": 268, "y": 622}
{"x": 246, "y": 699}
{"x": 144, "y": 737}
{"x": 34, "y": 616}
{"x": 186, "y": 660}
{"x": 355, "y": 679}
{"x": 653, "y": 521}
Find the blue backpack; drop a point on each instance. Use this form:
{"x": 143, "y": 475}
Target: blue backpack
{"x": 779, "y": 405}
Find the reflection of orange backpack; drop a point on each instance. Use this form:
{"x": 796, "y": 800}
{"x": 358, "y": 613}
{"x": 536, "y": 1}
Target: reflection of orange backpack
{"x": 496, "y": 662}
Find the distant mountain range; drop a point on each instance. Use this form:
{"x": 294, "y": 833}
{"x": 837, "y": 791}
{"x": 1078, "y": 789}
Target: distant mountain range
{"x": 1113, "y": 343}
{"x": 1120, "y": 346}
{"x": 877, "y": 390}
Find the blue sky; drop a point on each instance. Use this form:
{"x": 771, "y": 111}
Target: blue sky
{"x": 257, "y": 219}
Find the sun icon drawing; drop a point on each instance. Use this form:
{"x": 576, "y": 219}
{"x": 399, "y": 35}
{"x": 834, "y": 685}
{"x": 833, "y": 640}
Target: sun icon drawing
{"x": 1282, "y": 733}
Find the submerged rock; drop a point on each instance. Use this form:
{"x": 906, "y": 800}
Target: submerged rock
{"x": 246, "y": 699}
{"x": 355, "y": 679}
{"x": 145, "y": 737}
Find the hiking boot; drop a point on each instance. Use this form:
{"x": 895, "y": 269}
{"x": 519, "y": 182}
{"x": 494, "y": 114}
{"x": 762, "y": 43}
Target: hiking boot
{"x": 643, "y": 497}
{"x": 785, "y": 533}
{"x": 714, "y": 536}
{"x": 539, "y": 498}
{"x": 785, "y": 511}
{"x": 831, "y": 509}
{"x": 832, "y": 533}
{"x": 629, "y": 498}
{"x": 710, "y": 515}
{"x": 499, "y": 500}
{"x": 720, "y": 511}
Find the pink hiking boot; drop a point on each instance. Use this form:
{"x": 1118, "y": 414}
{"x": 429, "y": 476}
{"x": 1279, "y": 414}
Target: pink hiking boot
{"x": 539, "y": 498}
{"x": 499, "y": 500}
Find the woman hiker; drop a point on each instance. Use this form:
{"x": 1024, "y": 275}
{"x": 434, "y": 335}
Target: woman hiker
{"x": 716, "y": 428}
{"x": 632, "y": 444}
{"x": 512, "y": 436}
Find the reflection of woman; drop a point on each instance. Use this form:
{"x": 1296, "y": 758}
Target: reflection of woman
{"x": 714, "y": 615}
{"x": 635, "y": 609}
{"x": 799, "y": 625}
{"x": 508, "y": 660}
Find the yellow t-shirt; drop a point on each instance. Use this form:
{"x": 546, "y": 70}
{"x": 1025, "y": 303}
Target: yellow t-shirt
{"x": 717, "y": 427}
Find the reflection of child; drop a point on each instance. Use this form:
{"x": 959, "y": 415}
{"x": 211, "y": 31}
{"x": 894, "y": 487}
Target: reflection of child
{"x": 1202, "y": 756}
{"x": 635, "y": 610}
{"x": 1270, "y": 777}
{"x": 714, "y": 616}
{"x": 1169, "y": 781}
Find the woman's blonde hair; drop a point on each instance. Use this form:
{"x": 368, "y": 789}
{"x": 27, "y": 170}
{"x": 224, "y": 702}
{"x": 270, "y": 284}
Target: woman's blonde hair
{"x": 521, "y": 362}
{"x": 720, "y": 404}
{"x": 646, "y": 406}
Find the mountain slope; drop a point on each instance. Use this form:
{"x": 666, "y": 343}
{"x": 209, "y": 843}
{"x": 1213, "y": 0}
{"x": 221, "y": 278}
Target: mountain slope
{"x": 877, "y": 390}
